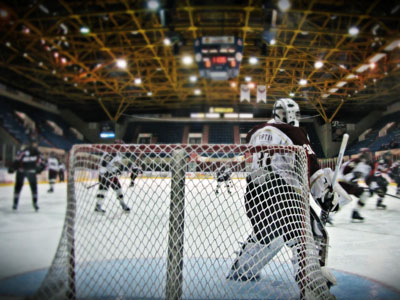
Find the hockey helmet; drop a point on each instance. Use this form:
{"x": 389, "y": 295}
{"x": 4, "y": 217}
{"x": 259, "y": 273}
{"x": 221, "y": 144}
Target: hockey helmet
{"x": 387, "y": 156}
{"x": 366, "y": 154}
{"x": 286, "y": 110}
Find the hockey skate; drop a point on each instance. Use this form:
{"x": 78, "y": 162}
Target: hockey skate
{"x": 125, "y": 207}
{"x": 50, "y": 190}
{"x": 36, "y": 207}
{"x": 356, "y": 216}
{"x": 15, "y": 206}
{"x": 132, "y": 184}
{"x": 380, "y": 205}
{"x": 99, "y": 209}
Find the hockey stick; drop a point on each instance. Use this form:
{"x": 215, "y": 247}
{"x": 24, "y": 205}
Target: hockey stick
{"x": 324, "y": 213}
{"x": 91, "y": 186}
{"x": 386, "y": 194}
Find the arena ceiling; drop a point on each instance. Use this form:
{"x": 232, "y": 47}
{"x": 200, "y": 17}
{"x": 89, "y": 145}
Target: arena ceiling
{"x": 46, "y": 52}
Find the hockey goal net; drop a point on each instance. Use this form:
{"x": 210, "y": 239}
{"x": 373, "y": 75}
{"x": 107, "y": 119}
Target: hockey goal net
{"x": 183, "y": 238}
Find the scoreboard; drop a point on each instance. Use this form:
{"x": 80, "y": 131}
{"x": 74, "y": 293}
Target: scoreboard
{"x": 218, "y": 57}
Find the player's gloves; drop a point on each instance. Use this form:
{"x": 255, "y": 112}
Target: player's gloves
{"x": 330, "y": 201}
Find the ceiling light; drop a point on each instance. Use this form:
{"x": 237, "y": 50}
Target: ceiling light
{"x": 167, "y": 42}
{"x": 197, "y": 92}
{"x": 372, "y": 65}
{"x": 84, "y": 30}
{"x": 325, "y": 95}
{"x": 377, "y": 57}
{"x": 193, "y": 78}
{"x": 291, "y": 94}
{"x": 138, "y": 80}
{"x": 343, "y": 67}
{"x": 303, "y": 81}
{"x": 253, "y": 60}
{"x": 251, "y": 85}
{"x": 121, "y": 63}
{"x": 333, "y": 90}
{"x": 3, "y": 13}
{"x": 318, "y": 64}
{"x": 341, "y": 83}
{"x": 212, "y": 115}
{"x": 247, "y": 79}
{"x": 362, "y": 68}
{"x": 8, "y": 44}
{"x": 187, "y": 60}
{"x": 392, "y": 45}
{"x": 233, "y": 84}
{"x": 153, "y": 4}
{"x": 272, "y": 42}
{"x": 149, "y": 93}
{"x": 353, "y": 30}
{"x": 284, "y": 5}
{"x": 351, "y": 76}
{"x": 40, "y": 64}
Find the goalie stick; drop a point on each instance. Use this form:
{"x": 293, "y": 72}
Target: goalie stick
{"x": 325, "y": 213}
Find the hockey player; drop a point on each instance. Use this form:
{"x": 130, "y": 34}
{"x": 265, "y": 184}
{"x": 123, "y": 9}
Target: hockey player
{"x": 223, "y": 175}
{"x": 395, "y": 175}
{"x": 111, "y": 166}
{"x": 61, "y": 170}
{"x": 53, "y": 168}
{"x": 135, "y": 172}
{"x": 266, "y": 201}
{"x": 28, "y": 163}
{"x": 376, "y": 181}
{"x": 350, "y": 173}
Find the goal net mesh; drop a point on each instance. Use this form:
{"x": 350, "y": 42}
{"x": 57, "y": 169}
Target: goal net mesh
{"x": 205, "y": 222}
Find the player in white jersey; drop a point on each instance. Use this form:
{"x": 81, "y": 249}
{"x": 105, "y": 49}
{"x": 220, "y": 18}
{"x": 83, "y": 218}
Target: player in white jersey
{"x": 111, "y": 166}
{"x": 53, "y": 168}
{"x": 223, "y": 174}
{"x": 350, "y": 173}
{"x": 135, "y": 172}
{"x": 266, "y": 201}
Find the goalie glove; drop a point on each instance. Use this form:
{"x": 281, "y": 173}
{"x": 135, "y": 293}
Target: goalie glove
{"x": 328, "y": 198}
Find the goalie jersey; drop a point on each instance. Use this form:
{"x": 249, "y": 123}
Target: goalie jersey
{"x": 279, "y": 133}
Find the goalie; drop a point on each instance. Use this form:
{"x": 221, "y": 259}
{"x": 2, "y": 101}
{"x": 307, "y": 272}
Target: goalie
{"x": 111, "y": 166}
{"x": 269, "y": 194}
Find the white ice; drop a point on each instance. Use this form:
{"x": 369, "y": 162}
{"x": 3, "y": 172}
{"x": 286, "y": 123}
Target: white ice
{"x": 371, "y": 249}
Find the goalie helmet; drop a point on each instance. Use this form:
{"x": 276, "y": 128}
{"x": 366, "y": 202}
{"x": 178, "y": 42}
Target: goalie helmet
{"x": 287, "y": 111}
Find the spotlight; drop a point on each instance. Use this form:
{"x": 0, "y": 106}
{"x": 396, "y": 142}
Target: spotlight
{"x": 303, "y": 82}
{"x": 138, "y": 80}
{"x": 121, "y": 63}
{"x": 318, "y": 64}
{"x": 253, "y": 60}
{"x": 353, "y": 30}
{"x": 187, "y": 60}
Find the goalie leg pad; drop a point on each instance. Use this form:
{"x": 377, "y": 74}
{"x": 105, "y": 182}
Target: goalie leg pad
{"x": 252, "y": 258}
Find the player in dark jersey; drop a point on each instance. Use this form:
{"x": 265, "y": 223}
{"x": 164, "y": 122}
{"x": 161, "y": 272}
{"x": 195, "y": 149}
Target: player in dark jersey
{"x": 223, "y": 174}
{"x": 135, "y": 172}
{"x": 394, "y": 173}
{"x": 266, "y": 201}
{"x": 28, "y": 162}
{"x": 376, "y": 181}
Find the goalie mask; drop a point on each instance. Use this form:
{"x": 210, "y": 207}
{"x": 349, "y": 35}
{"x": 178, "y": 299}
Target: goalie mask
{"x": 287, "y": 111}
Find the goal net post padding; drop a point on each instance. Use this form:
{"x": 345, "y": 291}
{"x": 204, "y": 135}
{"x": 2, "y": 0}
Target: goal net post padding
{"x": 186, "y": 227}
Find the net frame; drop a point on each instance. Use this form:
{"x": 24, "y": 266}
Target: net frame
{"x": 178, "y": 166}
